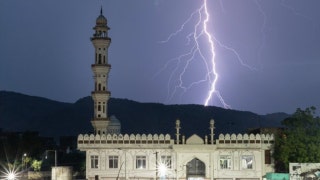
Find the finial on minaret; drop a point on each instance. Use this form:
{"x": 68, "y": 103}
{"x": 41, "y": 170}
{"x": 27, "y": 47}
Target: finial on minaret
{"x": 177, "y": 131}
{"x": 101, "y": 10}
{"x": 212, "y": 131}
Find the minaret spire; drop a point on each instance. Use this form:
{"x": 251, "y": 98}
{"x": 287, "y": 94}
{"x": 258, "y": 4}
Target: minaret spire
{"x": 100, "y": 69}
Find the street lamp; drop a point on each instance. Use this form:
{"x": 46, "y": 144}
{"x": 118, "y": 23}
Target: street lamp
{"x": 23, "y": 161}
{"x": 125, "y": 163}
{"x": 55, "y": 156}
{"x": 156, "y": 165}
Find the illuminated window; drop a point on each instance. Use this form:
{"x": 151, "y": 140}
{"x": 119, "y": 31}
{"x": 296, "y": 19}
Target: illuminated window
{"x": 94, "y": 162}
{"x": 113, "y": 161}
{"x": 141, "y": 162}
{"x": 225, "y": 162}
{"x": 166, "y": 160}
{"x": 247, "y": 162}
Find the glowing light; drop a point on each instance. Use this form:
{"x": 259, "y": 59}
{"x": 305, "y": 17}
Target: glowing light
{"x": 10, "y": 173}
{"x": 11, "y": 176}
{"x": 162, "y": 168}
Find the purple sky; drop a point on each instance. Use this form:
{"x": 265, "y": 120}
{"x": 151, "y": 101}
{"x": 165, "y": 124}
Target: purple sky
{"x": 45, "y": 50}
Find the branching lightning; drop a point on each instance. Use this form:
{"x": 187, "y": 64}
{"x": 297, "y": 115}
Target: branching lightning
{"x": 200, "y": 30}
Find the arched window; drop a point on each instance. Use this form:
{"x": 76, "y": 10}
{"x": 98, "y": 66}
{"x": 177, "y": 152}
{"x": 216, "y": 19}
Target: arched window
{"x": 99, "y": 88}
{"x": 104, "y": 59}
{"x": 196, "y": 168}
{"x": 99, "y": 59}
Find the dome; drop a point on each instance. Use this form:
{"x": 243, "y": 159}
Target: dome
{"x": 114, "y": 120}
{"x": 101, "y": 20}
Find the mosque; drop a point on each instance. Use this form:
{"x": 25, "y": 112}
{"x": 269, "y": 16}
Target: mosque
{"x": 111, "y": 155}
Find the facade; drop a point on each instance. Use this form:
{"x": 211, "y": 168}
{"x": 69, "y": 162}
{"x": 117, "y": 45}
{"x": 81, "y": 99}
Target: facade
{"x": 112, "y": 155}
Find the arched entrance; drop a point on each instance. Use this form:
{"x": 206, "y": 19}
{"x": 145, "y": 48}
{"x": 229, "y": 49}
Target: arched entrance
{"x": 196, "y": 170}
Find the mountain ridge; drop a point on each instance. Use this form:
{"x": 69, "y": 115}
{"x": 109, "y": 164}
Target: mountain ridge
{"x": 20, "y": 112}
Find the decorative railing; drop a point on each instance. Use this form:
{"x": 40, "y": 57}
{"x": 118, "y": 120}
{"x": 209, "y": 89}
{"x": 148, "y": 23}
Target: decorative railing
{"x": 124, "y": 139}
{"x": 245, "y": 139}
{"x": 166, "y": 139}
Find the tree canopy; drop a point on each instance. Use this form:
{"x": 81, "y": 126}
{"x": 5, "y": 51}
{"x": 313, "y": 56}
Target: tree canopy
{"x": 299, "y": 141}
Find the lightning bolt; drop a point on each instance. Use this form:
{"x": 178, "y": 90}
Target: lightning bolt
{"x": 182, "y": 62}
{"x": 213, "y": 54}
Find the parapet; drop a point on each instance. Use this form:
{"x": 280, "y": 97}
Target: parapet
{"x": 125, "y": 139}
{"x": 245, "y": 139}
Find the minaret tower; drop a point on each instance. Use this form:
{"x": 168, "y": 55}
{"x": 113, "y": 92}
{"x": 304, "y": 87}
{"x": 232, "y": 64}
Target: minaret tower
{"x": 100, "y": 68}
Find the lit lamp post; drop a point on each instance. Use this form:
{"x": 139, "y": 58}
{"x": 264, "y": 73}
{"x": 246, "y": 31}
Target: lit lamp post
{"x": 156, "y": 165}
{"x": 23, "y": 166}
{"x": 23, "y": 161}
{"x": 125, "y": 163}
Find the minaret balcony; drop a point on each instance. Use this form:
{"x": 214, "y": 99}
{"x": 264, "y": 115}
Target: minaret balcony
{"x": 101, "y": 65}
{"x": 100, "y": 38}
{"x": 100, "y": 92}
{"x": 100, "y": 119}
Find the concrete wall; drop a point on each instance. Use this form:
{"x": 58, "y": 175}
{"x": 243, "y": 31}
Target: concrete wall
{"x": 61, "y": 173}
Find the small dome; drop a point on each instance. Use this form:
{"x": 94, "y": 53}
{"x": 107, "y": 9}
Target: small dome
{"x": 114, "y": 120}
{"x": 101, "y": 20}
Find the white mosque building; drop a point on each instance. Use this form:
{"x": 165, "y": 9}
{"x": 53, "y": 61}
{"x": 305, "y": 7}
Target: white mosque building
{"x": 111, "y": 155}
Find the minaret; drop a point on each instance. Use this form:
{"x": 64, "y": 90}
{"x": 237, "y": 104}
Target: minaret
{"x": 100, "y": 68}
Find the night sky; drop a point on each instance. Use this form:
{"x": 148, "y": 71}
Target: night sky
{"x": 45, "y": 50}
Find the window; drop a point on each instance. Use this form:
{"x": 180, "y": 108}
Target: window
{"x": 225, "y": 162}
{"x": 267, "y": 157}
{"x": 166, "y": 160}
{"x": 94, "y": 162}
{"x": 247, "y": 162}
{"x": 196, "y": 167}
{"x": 113, "y": 161}
{"x": 140, "y": 162}
{"x": 99, "y": 62}
{"x": 99, "y": 106}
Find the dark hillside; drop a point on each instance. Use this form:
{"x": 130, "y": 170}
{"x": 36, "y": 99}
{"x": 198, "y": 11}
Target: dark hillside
{"x": 19, "y": 112}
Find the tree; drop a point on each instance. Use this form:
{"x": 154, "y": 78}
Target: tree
{"x": 36, "y": 165}
{"x": 299, "y": 142}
